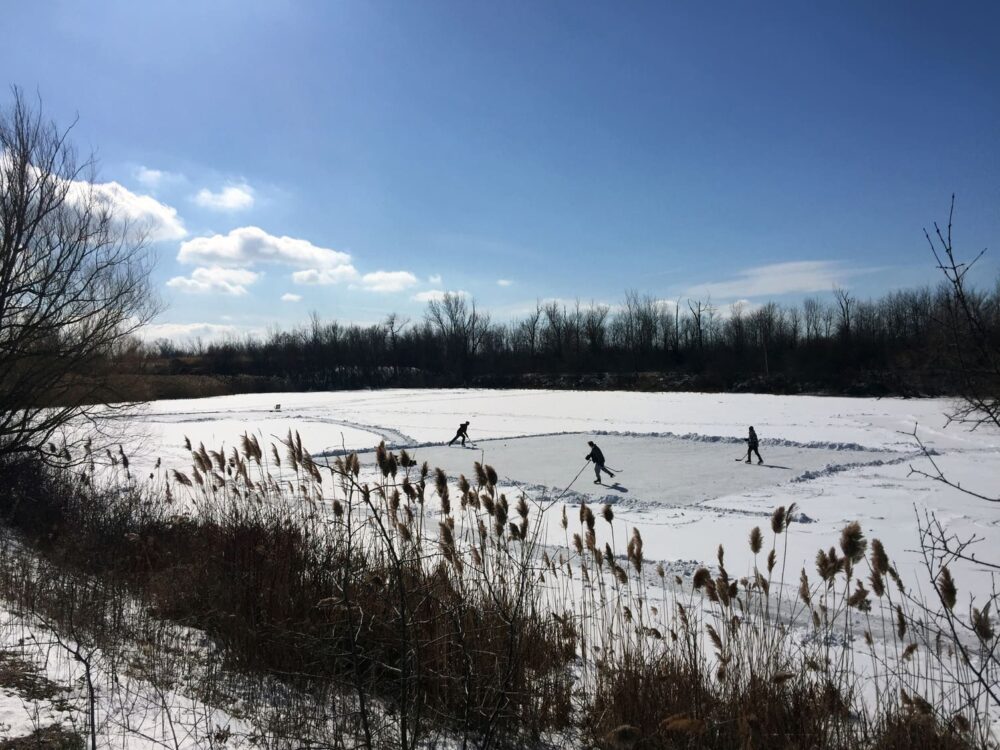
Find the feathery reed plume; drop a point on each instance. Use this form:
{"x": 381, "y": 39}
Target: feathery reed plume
{"x": 772, "y": 560}
{"x": 946, "y": 588}
{"x": 338, "y": 509}
{"x": 701, "y": 577}
{"x": 408, "y": 490}
{"x": 878, "y": 583}
{"x": 660, "y": 571}
{"x": 404, "y": 532}
{"x": 619, "y": 572}
{"x": 790, "y": 515}
{"x": 181, "y": 478}
{"x": 522, "y": 507}
{"x": 491, "y": 476}
{"x": 382, "y": 459}
{"x": 608, "y": 513}
{"x": 578, "y": 544}
{"x": 501, "y": 512}
{"x": 859, "y": 599}
{"x": 909, "y": 651}
{"x": 635, "y": 550}
{"x": 804, "y": 593}
{"x": 853, "y": 542}
{"x": 756, "y": 540}
{"x": 981, "y": 623}
{"x": 481, "y": 479}
{"x": 587, "y": 516}
{"x": 441, "y": 486}
{"x": 880, "y": 560}
{"x": 564, "y": 520}
{"x": 714, "y": 635}
{"x": 778, "y": 519}
{"x": 187, "y": 443}
{"x": 446, "y": 539}
{"x": 900, "y": 623}
{"x": 275, "y": 456}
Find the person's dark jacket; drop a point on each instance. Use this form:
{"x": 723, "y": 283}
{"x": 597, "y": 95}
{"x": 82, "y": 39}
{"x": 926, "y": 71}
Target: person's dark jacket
{"x": 752, "y": 440}
{"x": 595, "y": 455}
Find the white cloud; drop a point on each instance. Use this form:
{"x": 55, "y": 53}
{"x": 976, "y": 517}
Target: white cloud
{"x": 289, "y": 297}
{"x": 388, "y": 281}
{"x": 143, "y": 213}
{"x": 436, "y": 295}
{"x": 434, "y": 279}
{"x": 504, "y": 282}
{"x": 320, "y": 266}
{"x": 778, "y": 278}
{"x": 232, "y": 281}
{"x": 154, "y": 178}
{"x": 149, "y": 177}
{"x": 230, "y": 198}
{"x": 191, "y": 331}
{"x": 246, "y": 246}
{"x": 325, "y": 276}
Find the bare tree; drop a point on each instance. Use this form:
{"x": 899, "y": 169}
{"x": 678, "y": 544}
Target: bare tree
{"x": 74, "y": 284}
{"x": 972, "y": 629}
{"x": 460, "y": 324}
{"x": 845, "y": 305}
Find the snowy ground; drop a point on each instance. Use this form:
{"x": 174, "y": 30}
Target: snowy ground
{"x": 838, "y": 459}
{"x": 679, "y": 481}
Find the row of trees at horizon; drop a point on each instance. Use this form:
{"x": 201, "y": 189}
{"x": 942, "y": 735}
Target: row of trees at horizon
{"x": 822, "y": 341}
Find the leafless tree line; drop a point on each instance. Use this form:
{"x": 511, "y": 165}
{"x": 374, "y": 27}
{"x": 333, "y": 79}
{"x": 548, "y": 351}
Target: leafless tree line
{"x": 822, "y": 341}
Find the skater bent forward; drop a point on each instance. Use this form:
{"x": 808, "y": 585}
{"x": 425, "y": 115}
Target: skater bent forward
{"x": 463, "y": 433}
{"x": 597, "y": 457}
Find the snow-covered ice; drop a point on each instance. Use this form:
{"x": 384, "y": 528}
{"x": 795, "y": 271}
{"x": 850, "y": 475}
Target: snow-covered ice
{"x": 839, "y": 459}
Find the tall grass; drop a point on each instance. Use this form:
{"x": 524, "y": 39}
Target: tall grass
{"x": 402, "y": 605}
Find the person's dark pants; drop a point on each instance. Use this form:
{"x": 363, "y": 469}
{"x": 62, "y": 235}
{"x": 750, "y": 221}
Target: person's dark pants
{"x": 457, "y": 436}
{"x": 598, "y": 468}
{"x": 752, "y": 450}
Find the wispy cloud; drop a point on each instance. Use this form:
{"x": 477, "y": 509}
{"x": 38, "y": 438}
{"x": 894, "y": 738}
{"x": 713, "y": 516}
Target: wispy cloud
{"x": 154, "y": 178}
{"x": 232, "y": 281}
{"x": 238, "y": 197}
{"x": 388, "y": 281}
{"x": 325, "y": 276}
{"x": 289, "y": 297}
{"x": 504, "y": 282}
{"x": 802, "y": 276}
{"x": 436, "y": 295}
{"x": 434, "y": 279}
{"x": 192, "y": 331}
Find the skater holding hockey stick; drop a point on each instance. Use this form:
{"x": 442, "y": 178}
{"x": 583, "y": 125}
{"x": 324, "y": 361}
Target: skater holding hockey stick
{"x": 462, "y": 433}
{"x": 597, "y": 457}
{"x": 753, "y": 445}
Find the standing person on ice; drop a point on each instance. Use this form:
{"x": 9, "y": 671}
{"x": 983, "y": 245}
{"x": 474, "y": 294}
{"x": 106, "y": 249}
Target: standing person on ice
{"x": 597, "y": 457}
{"x": 463, "y": 432}
{"x": 752, "y": 446}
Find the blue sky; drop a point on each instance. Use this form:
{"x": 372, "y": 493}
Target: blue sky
{"x": 355, "y": 158}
